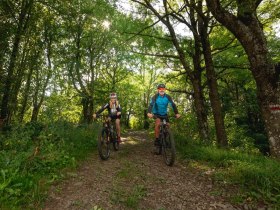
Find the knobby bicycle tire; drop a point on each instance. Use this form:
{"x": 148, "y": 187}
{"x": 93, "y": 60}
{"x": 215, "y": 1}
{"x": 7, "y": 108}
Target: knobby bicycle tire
{"x": 168, "y": 146}
{"x": 116, "y": 144}
{"x": 158, "y": 148}
{"x": 103, "y": 145}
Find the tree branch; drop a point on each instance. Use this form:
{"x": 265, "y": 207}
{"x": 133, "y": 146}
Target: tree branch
{"x": 150, "y": 26}
{"x": 158, "y": 55}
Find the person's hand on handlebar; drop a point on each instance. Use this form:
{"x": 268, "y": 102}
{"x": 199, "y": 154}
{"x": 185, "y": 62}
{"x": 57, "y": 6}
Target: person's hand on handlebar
{"x": 177, "y": 116}
{"x": 150, "y": 115}
{"x": 94, "y": 116}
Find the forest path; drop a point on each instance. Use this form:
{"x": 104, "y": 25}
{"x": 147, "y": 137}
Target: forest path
{"x": 134, "y": 178}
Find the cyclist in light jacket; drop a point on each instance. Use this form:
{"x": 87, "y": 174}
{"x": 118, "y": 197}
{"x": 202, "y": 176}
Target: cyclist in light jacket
{"x": 114, "y": 110}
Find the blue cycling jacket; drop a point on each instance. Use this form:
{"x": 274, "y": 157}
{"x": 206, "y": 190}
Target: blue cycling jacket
{"x": 159, "y": 104}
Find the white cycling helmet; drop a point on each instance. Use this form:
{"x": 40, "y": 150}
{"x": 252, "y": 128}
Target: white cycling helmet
{"x": 113, "y": 95}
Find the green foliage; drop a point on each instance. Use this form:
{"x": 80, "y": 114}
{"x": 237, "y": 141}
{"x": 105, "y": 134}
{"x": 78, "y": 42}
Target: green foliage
{"x": 244, "y": 125}
{"x": 57, "y": 107}
{"x": 274, "y": 47}
{"x": 130, "y": 198}
{"x": 187, "y": 125}
{"x": 33, "y": 156}
{"x": 239, "y": 139}
{"x": 258, "y": 176}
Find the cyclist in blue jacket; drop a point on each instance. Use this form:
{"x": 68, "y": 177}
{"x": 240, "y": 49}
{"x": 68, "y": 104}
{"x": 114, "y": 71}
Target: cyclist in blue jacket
{"x": 158, "y": 108}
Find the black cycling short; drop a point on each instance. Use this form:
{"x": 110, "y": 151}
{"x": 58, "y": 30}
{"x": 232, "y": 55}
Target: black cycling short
{"x": 161, "y": 117}
{"x": 113, "y": 117}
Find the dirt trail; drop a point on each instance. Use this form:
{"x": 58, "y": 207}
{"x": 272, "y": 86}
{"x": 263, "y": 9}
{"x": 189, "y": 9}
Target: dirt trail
{"x": 134, "y": 178}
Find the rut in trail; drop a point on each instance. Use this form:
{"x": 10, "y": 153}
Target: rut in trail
{"x": 134, "y": 178}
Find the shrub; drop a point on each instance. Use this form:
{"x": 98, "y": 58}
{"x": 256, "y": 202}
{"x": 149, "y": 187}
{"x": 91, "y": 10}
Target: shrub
{"x": 32, "y": 157}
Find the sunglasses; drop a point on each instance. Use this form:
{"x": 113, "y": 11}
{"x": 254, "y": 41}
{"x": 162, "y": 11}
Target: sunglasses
{"x": 161, "y": 89}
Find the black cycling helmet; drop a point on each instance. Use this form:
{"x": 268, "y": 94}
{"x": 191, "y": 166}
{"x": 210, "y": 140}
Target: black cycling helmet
{"x": 161, "y": 86}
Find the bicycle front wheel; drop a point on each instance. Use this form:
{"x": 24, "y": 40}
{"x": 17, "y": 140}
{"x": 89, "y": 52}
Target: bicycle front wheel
{"x": 168, "y": 146}
{"x": 158, "y": 148}
{"x": 116, "y": 144}
{"x": 103, "y": 144}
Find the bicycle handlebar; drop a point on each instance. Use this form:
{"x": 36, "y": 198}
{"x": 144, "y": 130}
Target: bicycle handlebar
{"x": 101, "y": 115}
{"x": 163, "y": 117}
{"x": 104, "y": 117}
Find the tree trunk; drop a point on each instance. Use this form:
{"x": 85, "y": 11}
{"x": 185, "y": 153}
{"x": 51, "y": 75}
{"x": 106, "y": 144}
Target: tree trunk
{"x": 19, "y": 76}
{"x": 35, "y": 113}
{"x": 90, "y": 111}
{"x": 9, "y": 79}
{"x": 200, "y": 110}
{"x": 214, "y": 98}
{"x": 199, "y": 100}
{"x": 42, "y": 80}
{"x": 212, "y": 84}
{"x": 23, "y": 19}
{"x": 269, "y": 102}
{"x": 127, "y": 121}
{"x": 87, "y": 103}
{"x": 268, "y": 87}
{"x": 25, "y": 94}
{"x": 146, "y": 122}
{"x": 248, "y": 30}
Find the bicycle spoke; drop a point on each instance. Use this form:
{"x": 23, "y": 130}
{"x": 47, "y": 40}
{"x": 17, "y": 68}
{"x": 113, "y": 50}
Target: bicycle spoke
{"x": 169, "y": 149}
{"x": 158, "y": 148}
{"x": 104, "y": 145}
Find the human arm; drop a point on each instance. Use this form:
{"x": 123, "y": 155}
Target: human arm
{"x": 174, "y": 107}
{"x": 100, "y": 110}
{"x": 119, "y": 110}
{"x": 150, "y": 108}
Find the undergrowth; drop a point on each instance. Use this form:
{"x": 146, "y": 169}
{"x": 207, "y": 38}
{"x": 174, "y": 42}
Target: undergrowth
{"x": 257, "y": 176}
{"x": 34, "y": 156}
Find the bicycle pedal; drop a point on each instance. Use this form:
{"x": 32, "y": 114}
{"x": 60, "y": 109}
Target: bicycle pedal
{"x": 157, "y": 144}
{"x": 153, "y": 152}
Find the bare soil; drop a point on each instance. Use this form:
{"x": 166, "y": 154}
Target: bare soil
{"x": 135, "y": 178}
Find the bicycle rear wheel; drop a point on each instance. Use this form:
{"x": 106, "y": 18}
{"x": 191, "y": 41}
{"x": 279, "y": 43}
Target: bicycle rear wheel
{"x": 103, "y": 145}
{"x": 168, "y": 146}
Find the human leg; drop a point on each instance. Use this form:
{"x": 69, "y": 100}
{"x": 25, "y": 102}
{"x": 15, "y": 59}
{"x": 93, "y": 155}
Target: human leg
{"x": 157, "y": 126}
{"x": 118, "y": 128}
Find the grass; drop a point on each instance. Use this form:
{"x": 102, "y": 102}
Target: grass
{"x": 128, "y": 170}
{"x": 130, "y": 197}
{"x": 33, "y": 157}
{"x": 126, "y": 193}
{"x": 257, "y": 176}
{"x": 96, "y": 208}
{"x": 25, "y": 176}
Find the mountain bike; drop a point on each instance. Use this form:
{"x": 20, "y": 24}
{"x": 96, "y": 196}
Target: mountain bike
{"x": 107, "y": 136}
{"x": 166, "y": 145}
